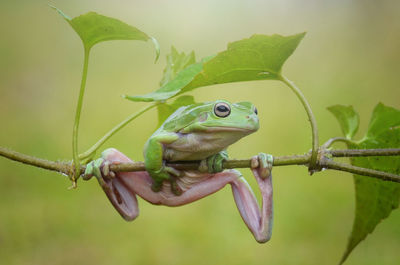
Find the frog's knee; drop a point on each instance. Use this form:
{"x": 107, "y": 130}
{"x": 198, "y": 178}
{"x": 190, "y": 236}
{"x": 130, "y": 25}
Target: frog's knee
{"x": 113, "y": 155}
{"x": 109, "y": 152}
{"x": 235, "y": 174}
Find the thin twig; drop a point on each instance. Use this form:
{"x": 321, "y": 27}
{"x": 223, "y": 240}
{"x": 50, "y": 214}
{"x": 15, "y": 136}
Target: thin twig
{"x": 329, "y": 143}
{"x": 65, "y": 168}
{"x": 364, "y": 152}
{"x": 330, "y": 164}
{"x": 323, "y": 162}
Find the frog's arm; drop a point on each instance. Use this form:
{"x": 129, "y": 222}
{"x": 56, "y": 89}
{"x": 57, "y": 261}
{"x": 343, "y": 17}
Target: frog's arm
{"x": 123, "y": 187}
{"x": 153, "y": 158}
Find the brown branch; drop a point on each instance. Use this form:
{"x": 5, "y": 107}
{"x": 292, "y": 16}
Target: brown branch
{"x": 323, "y": 162}
{"x": 330, "y": 164}
{"x": 364, "y": 152}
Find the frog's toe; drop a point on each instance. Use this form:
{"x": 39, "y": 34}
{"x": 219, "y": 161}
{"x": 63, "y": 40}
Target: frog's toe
{"x": 263, "y": 162}
{"x": 175, "y": 188}
{"x": 215, "y": 162}
{"x": 156, "y": 186}
{"x": 88, "y": 171}
{"x": 98, "y": 168}
{"x": 172, "y": 171}
{"x": 93, "y": 169}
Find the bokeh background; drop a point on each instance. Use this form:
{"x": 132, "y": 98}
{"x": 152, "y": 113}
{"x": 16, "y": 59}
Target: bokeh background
{"x": 349, "y": 56}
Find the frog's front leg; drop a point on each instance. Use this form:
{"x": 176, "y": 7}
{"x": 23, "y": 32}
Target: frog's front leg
{"x": 155, "y": 164}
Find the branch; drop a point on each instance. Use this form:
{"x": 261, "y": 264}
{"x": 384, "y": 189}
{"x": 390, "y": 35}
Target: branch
{"x": 324, "y": 162}
{"x": 64, "y": 168}
{"x": 364, "y": 152}
{"x": 330, "y": 164}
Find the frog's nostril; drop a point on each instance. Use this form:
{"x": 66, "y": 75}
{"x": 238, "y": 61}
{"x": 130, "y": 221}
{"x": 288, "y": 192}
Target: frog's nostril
{"x": 247, "y": 116}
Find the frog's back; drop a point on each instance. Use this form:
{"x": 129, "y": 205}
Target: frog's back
{"x": 184, "y": 116}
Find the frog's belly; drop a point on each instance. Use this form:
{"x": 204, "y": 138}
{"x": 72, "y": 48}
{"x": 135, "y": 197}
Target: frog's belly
{"x": 185, "y": 182}
{"x": 198, "y": 146}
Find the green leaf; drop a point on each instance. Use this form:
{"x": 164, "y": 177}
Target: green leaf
{"x": 375, "y": 199}
{"x": 179, "y": 72}
{"x": 176, "y": 62}
{"x": 94, "y": 28}
{"x": 259, "y": 57}
{"x": 383, "y": 119}
{"x": 165, "y": 110}
{"x": 347, "y": 117}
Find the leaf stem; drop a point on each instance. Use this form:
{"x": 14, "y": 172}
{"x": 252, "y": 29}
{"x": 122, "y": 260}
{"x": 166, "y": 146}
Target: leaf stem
{"x": 75, "y": 156}
{"x": 114, "y": 130}
{"x": 333, "y": 140}
{"x": 315, "y": 141}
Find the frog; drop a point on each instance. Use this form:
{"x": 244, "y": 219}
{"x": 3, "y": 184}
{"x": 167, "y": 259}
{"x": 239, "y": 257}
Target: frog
{"x": 197, "y": 132}
{"x": 200, "y": 131}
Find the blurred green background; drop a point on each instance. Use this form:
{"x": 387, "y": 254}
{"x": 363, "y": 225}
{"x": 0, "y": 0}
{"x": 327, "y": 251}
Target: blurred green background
{"x": 350, "y": 55}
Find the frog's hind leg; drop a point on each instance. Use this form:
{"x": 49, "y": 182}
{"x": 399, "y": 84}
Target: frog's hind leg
{"x": 123, "y": 199}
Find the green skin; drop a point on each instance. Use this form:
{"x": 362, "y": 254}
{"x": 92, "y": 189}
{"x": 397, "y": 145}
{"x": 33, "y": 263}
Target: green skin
{"x": 196, "y": 132}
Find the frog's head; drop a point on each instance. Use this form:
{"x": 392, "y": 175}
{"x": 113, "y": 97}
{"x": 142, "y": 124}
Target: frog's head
{"x": 221, "y": 116}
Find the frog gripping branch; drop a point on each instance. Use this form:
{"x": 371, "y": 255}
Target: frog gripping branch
{"x": 194, "y": 132}
{"x": 122, "y": 188}
{"x": 186, "y": 159}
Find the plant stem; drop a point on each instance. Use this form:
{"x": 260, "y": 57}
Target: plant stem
{"x": 64, "y": 168}
{"x": 311, "y": 118}
{"x": 330, "y": 164}
{"x": 114, "y": 130}
{"x": 331, "y": 141}
{"x": 68, "y": 168}
{"x": 364, "y": 152}
{"x": 75, "y": 156}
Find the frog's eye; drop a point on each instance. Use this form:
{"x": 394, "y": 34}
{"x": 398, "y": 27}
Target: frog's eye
{"x": 255, "y": 111}
{"x": 222, "y": 109}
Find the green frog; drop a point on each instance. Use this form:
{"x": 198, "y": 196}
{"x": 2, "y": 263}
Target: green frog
{"x": 200, "y": 132}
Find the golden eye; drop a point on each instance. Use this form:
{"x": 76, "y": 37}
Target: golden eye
{"x": 222, "y": 109}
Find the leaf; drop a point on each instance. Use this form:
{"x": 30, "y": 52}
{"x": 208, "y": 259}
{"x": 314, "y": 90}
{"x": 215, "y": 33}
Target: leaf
{"x": 94, "y": 28}
{"x": 259, "y": 57}
{"x": 165, "y": 110}
{"x": 347, "y": 117}
{"x": 375, "y": 199}
{"x": 179, "y": 72}
{"x": 176, "y": 62}
{"x": 383, "y": 119}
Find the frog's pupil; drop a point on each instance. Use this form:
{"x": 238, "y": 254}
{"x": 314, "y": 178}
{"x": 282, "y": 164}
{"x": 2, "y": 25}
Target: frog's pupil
{"x": 222, "y": 108}
{"x": 255, "y": 111}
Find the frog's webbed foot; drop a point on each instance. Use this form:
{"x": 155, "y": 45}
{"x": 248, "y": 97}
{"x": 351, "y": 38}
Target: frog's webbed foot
{"x": 262, "y": 164}
{"x": 169, "y": 174}
{"x": 99, "y": 168}
{"x": 120, "y": 195}
{"x": 214, "y": 163}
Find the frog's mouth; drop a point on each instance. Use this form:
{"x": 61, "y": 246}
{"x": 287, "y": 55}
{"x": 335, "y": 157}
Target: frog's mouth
{"x": 230, "y": 129}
